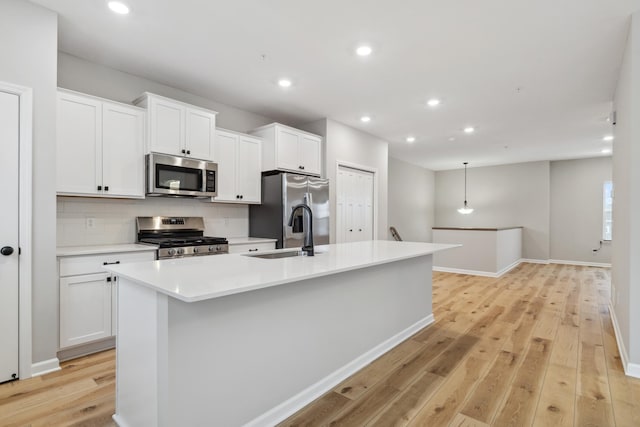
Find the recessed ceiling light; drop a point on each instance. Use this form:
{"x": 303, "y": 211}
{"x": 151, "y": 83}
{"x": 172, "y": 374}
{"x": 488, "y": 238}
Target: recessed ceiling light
{"x": 284, "y": 83}
{"x": 118, "y": 7}
{"x": 608, "y": 138}
{"x": 364, "y": 50}
{"x": 606, "y": 150}
{"x": 433, "y": 102}
{"x": 469, "y": 129}
{"x": 411, "y": 139}
{"x": 365, "y": 119}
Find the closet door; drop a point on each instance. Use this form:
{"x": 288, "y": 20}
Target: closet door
{"x": 354, "y": 205}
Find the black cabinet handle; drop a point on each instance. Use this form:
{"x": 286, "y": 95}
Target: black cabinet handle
{"x": 188, "y": 151}
{"x": 359, "y": 229}
{"x": 99, "y": 187}
{"x": 241, "y": 196}
{"x": 109, "y": 279}
{"x": 6, "y": 250}
{"x": 184, "y": 151}
{"x": 351, "y": 229}
{"x": 110, "y": 263}
{"x": 302, "y": 167}
{"x": 253, "y": 250}
{"x": 106, "y": 188}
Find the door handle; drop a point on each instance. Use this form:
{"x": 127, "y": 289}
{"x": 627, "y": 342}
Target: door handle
{"x": 6, "y": 250}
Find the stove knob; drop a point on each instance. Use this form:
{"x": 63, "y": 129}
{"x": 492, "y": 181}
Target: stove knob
{"x": 196, "y": 250}
{"x": 171, "y": 252}
{"x": 218, "y": 248}
{"x": 180, "y": 251}
{"x": 212, "y": 248}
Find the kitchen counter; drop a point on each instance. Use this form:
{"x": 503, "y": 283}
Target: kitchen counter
{"x": 200, "y": 278}
{"x": 231, "y": 340}
{"x": 64, "y": 251}
{"x": 249, "y": 240}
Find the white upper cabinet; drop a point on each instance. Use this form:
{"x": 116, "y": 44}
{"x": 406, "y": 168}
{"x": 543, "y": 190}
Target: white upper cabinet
{"x": 289, "y": 149}
{"x": 100, "y": 147}
{"x": 177, "y": 128}
{"x": 238, "y": 157}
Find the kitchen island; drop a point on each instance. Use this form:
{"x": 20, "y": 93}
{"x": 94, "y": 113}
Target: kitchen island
{"x": 232, "y": 340}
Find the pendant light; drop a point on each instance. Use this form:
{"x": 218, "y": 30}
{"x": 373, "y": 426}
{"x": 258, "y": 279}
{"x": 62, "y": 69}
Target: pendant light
{"x": 465, "y": 210}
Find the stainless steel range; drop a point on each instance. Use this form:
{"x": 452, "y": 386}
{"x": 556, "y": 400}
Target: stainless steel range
{"x": 178, "y": 237}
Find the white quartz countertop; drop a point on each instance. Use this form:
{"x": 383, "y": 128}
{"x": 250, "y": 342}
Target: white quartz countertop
{"x": 102, "y": 249}
{"x": 201, "y": 278}
{"x": 249, "y": 240}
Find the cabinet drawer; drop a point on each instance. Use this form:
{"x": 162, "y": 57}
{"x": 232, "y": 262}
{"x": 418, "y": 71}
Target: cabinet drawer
{"x": 90, "y": 264}
{"x": 251, "y": 247}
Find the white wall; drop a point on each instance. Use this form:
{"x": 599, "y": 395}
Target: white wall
{"x": 502, "y": 196}
{"x": 114, "y": 219}
{"x": 28, "y": 42}
{"x": 346, "y": 144}
{"x": 411, "y": 200}
{"x": 83, "y": 76}
{"x": 576, "y": 209}
{"x": 626, "y": 202}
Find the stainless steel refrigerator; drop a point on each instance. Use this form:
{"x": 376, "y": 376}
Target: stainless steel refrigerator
{"x": 280, "y": 193}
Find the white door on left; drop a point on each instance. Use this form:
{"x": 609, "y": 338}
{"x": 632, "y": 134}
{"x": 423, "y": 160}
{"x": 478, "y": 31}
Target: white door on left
{"x": 9, "y": 217}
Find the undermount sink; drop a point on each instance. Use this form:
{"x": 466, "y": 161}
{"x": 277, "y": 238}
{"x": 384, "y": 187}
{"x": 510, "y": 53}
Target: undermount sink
{"x": 275, "y": 255}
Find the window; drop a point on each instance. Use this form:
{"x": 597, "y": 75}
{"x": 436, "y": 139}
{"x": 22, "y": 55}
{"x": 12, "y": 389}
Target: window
{"x": 607, "y": 205}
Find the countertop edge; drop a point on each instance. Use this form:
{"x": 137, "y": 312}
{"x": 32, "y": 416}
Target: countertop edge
{"x": 116, "y": 269}
{"x": 67, "y": 251}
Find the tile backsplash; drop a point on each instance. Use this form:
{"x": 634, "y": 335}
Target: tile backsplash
{"x": 96, "y": 221}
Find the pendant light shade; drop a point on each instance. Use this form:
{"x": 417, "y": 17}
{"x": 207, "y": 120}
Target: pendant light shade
{"x": 465, "y": 209}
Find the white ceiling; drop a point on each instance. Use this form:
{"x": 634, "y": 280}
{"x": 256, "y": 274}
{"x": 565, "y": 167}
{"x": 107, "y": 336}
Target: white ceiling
{"x": 474, "y": 55}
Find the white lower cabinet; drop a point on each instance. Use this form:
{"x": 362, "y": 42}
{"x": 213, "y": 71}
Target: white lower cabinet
{"x": 241, "y": 248}
{"x": 88, "y": 296}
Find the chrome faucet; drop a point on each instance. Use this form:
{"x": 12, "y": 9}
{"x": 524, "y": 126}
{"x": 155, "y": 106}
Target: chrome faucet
{"x": 307, "y": 244}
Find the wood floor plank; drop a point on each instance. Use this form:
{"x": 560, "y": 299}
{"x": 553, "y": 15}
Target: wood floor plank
{"x": 483, "y": 403}
{"x": 320, "y": 413}
{"x": 358, "y": 413}
{"x": 366, "y": 378}
{"x": 520, "y": 403}
{"x": 464, "y": 421}
{"x": 401, "y": 409}
{"x": 444, "y": 405}
{"x": 557, "y": 402}
{"x": 594, "y": 407}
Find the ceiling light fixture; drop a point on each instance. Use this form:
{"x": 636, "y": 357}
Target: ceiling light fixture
{"x": 433, "y": 102}
{"x": 365, "y": 119}
{"x": 284, "y": 83}
{"x": 118, "y": 7}
{"x": 608, "y": 138}
{"x": 469, "y": 129}
{"x": 465, "y": 210}
{"x": 364, "y": 50}
{"x": 411, "y": 139}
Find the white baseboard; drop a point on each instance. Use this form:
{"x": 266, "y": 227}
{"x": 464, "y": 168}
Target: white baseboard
{"x": 463, "y": 271}
{"x": 478, "y": 272}
{"x": 631, "y": 369}
{"x": 44, "y": 367}
{"x": 302, "y": 399}
{"x": 584, "y": 263}
{"x": 534, "y": 261}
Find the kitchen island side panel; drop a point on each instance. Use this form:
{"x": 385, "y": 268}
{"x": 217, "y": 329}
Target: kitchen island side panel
{"x": 231, "y": 359}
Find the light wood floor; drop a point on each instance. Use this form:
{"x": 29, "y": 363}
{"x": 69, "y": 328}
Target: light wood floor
{"x": 535, "y": 347}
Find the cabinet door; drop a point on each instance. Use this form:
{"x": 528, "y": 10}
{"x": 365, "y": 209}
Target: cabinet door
{"x": 225, "y": 156}
{"x": 309, "y": 152}
{"x": 85, "y": 309}
{"x": 166, "y": 126}
{"x": 200, "y": 133}
{"x": 78, "y": 147}
{"x": 122, "y": 151}
{"x": 287, "y": 149}
{"x": 249, "y": 178}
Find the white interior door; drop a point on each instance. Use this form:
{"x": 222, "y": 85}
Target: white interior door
{"x": 354, "y": 205}
{"x": 9, "y": 216}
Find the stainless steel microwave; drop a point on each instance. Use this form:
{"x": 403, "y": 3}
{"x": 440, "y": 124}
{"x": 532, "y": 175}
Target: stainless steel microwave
{"x": 179, "y": 176}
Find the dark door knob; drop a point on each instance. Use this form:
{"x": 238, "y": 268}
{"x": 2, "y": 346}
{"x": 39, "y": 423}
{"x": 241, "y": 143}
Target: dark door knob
{"x": 6, "y": 250}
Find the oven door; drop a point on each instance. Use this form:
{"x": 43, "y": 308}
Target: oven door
{"x": 179, "y": 176}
